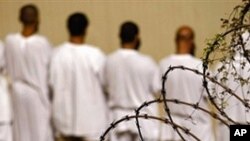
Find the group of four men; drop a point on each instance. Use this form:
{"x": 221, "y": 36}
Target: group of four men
{"x": 86, "y": 86}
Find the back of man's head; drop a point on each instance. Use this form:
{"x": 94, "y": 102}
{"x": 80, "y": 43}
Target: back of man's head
{"x": 77, "y": 24}
{"x": 29, "y": 15}
{"x": 128, "y": 32}
{"x": 179, "y": 36}
{"x": 184, "y": 40}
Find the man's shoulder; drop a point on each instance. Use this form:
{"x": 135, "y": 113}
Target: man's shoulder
{"x": 64, "y": 48}
{"x": 94, "y": 49}
{"x": 41, "y": 37}
{"x": 94, "y": 52}
{"x": 173, "y": 57}
{"x": 197, "y": 60}
{"x": 147, "y": 58}
{"x": 11, "y": 36}
{"x": 137, "y": 55}
{"x": 35, "y": 37}
{"x": 60, "y": 49}
{"x": 144, "y": 60}
{"x": 166, "y": 60}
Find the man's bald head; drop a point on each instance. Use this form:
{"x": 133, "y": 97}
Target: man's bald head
{"x": 29, "y": 15}
{"x": 184, "y": 33}
{"x": 185, "y": 40}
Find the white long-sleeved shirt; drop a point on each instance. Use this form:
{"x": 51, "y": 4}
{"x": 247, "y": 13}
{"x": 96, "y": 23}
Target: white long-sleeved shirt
{"x": 182, "y": 84}
{"x": 27, "y": 61}
{"x": 188, "y": 87}
{"x": 237, "y": 80}
{"x": 79, "y": 106}
{"x": 131, "y": 79}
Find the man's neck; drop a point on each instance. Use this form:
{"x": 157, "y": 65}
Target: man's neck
{"x": 183, "y": 51}
{"x": 128, "y": 46}
{"x": 77, "y": 39}
{"x": 28, "y": 31}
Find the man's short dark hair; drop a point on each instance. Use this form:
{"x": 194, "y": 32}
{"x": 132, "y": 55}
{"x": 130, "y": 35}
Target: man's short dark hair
{"x": 77, "y": 24}
{"x": 29, "y": 14}
{"x": 128, "y": 32}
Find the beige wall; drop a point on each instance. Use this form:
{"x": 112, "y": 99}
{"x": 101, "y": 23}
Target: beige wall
{"x": 158, "y": 20}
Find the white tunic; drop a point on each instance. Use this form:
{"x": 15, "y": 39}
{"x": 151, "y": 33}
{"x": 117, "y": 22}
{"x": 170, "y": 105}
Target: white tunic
{"x": 233, "y": 107}
{"x": 5, "y": 106}
{"x": 186, "y": 86}
{"x": 79, "y": 107}
{"x": 27, "y": 62}
{"x": 131, "y": 79}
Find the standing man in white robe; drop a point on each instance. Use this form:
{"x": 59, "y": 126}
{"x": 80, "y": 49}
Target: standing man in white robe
{"x": 27, "y": 60}
{"x": 186, "y": 86}
{"x": 5, "y": 106}
{"x": 234, "y": 108}
{"x": 79, "y": 106}
{"x": 131, "y": 79}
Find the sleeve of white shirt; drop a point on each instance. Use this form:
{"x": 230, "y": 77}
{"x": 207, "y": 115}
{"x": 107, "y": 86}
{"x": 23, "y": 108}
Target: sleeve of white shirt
{"x": 101, "y": 61}
{"x": 155, "y": 80}
{"x": 48, "y": 51}
{"x": 54, "y": 71}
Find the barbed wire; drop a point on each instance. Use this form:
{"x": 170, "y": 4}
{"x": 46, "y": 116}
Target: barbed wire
{"x": 236, "y": 28}
{"x": 227, "y": 44}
